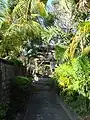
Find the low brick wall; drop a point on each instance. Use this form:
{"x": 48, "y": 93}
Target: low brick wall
{"x": 8, "y": 71}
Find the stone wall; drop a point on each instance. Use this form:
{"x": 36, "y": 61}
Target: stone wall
{"x": 8, "y": 71}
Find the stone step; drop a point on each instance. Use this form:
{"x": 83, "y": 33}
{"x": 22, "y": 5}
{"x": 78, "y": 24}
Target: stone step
{"x": 41, "y": 83}
{"x": 41, "y": 88}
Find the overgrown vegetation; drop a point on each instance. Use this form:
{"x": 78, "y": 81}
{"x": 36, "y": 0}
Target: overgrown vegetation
{"x": 74, "y": 77}
{"x": 26, "y": 25}
{"x": 72, "y": 74}
{"x": 18, "y": 25}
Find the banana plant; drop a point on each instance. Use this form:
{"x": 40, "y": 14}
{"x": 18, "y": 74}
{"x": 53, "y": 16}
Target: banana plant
{"x": 18, "y": 24}
{"x": 80, "y": 41}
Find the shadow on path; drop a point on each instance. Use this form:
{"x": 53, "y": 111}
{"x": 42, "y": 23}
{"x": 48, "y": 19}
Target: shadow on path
{"x": 44, "y": 104}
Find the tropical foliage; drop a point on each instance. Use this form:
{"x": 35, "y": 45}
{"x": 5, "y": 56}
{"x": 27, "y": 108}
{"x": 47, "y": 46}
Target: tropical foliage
{"x": 72, "y": 74}
{"x": 19, "y": 24}
{"x": 25, "y": 25}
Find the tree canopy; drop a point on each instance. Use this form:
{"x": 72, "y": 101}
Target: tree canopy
{"x": 26, "y": 25}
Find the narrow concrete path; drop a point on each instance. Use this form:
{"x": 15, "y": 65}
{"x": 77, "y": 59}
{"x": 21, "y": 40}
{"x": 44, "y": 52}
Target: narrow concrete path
{"x": 45, "y": 104}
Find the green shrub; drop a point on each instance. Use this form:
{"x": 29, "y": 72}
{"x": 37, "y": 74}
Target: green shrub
{"x": 74, "y": 75}
{"x": 74, "y": 78}
{"x": 22, "y": 80}
{"x": 3, "y": 110}
{"x": 16, "y": 61}
{"x": 59, "y": 52}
